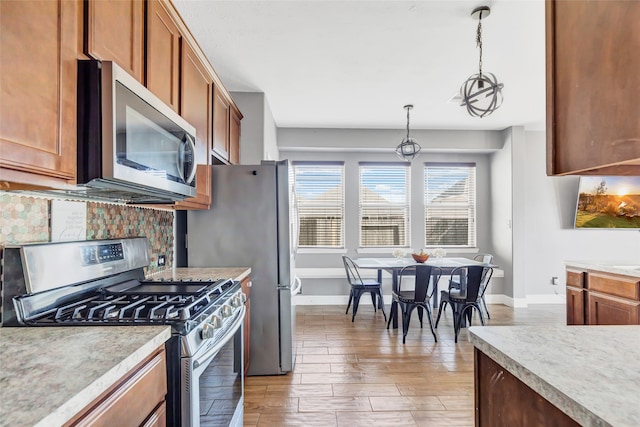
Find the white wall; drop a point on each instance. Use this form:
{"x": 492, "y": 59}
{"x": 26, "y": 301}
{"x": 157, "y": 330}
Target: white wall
{"x": 550, "y": 238}
{"x": 270, "y": 149}
{"x": 258, "y": 139}
{"x": 501, "y": 213}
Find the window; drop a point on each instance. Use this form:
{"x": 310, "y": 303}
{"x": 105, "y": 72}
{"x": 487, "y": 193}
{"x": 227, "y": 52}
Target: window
{"x": 319, "y": 190}
{"x": 450, "y": 204}
{"x": 384, "y": 204}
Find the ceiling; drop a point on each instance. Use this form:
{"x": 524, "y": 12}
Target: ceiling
{"x": 355, "y": 64}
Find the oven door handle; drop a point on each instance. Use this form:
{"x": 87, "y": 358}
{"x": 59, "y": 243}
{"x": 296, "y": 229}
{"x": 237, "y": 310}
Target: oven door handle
{"x": 210, "y": 354}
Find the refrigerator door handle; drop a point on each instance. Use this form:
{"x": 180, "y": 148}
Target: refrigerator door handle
{"x": 298, "y": 287}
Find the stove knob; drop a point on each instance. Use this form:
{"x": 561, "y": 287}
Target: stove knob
{"x": 236, "y": 301}
{"x": 243, "y": 297}
{"x": 208, "y": 331}
{"x": 226, "y": 311}
{"x": 215, "y": 321}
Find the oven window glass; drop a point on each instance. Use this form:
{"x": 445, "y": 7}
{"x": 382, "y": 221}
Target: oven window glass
{"x": 148, "y": 141}
{"x": 221, "y": 385}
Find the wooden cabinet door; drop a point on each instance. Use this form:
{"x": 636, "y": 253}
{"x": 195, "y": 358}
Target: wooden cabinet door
{"x": 575, "y": 306}
{"x": 592, "y": 114}
{"x": 502, "y": 400}
{"x": 163, "y": 54}
{"x": 234, "y": 136}
{"x": 115, "y": 32}
{"x": 608, "y": 310}
{"x": 220, "y": 124}
{"x": 195, "y": 108}
{"x": 38, "y": 80}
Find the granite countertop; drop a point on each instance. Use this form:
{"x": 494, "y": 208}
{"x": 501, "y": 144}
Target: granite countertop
{"x": 235, "y": 273}
{"x": 49, "y": 374}
{"x": 591, "y": 373}
{"x": 624, "y": 268}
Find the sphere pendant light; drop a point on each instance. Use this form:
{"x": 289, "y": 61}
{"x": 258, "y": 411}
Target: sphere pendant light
{"x": 481, "y": 93}
{"x": 408, "y": 148}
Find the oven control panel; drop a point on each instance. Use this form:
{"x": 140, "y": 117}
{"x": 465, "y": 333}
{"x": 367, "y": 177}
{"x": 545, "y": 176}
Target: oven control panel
{"x": 98, "y": 254}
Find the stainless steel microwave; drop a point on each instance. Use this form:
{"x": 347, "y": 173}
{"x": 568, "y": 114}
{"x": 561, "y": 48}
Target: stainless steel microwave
{"x": 131, "y": 146}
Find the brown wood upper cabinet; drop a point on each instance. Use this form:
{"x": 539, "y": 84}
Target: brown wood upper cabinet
{"x": 593, "y": 125}
{"x": 234, "y": 136}
{"x": 195, "y": 107}
{"x": 38, "y": 73}
{"x": 220, "y": 124}
{"x": 115, "y": 32}
{"x": 163, "y": 53}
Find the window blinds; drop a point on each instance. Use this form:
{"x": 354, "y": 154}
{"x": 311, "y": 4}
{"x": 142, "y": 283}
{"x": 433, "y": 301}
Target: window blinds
{"x": 384, "y": 205}
{"x": 450, "y": 204}
{"x": 319, "y": 189}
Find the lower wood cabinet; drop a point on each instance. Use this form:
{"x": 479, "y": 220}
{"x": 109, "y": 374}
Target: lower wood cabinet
{"x": 605, "y": 299}
{"x": 502, "y": 400}
{"x": 138, "y": 399}
{"x": 609, "y": 310}
{"x": 575, "y": 306}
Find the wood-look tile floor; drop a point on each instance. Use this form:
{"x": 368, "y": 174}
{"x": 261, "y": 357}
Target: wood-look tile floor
{"x": 360, "y": 374}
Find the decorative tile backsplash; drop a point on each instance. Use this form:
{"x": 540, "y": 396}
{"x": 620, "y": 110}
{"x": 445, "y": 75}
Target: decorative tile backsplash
{"x": 25, "y": 219}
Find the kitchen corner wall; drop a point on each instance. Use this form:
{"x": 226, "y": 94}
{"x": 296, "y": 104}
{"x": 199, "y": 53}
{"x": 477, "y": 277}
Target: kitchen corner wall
{"x": 25, "y": 219}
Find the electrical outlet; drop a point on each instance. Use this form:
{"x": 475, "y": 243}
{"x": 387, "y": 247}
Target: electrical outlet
{"x": 162, "y": 260}
{"x": 554, "y": 281}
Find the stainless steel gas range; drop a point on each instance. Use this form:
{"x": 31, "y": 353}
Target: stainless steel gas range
{"x": 102, "y": 282}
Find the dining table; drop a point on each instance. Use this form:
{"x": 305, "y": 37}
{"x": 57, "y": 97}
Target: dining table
{"x": 393, "y": 266}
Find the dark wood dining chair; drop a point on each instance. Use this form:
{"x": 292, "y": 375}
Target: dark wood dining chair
{"x": 486, "y": 259}
{"x": 419, "y": 297}
{"x": 466, "y": 298}
{"x": 360, "y": 286}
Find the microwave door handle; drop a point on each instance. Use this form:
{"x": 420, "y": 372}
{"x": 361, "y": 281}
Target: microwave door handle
{"x": 188, "y": 140}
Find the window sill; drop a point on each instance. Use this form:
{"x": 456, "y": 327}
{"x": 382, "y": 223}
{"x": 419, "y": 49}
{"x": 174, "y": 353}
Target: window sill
{"x": 303, "y": 251}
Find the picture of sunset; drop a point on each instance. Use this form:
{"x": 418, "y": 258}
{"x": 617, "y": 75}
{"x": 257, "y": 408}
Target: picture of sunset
{"x": 608, "y": 202}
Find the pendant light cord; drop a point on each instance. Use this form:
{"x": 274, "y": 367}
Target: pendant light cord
{"x": 408, "y": 109}
{"x": 479, "y": 42}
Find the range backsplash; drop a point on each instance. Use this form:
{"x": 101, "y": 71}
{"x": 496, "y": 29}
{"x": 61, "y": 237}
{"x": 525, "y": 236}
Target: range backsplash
{"x": 25, "y": 219}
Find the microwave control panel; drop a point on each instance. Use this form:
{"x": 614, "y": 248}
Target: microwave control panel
{"x": 98, "y": 254}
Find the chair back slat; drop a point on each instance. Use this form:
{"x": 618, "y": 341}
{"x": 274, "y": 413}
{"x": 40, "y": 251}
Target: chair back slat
{"x": 476, "y": 279}
{"x": 353, "y": 275}
{"x": 423, "y": 274}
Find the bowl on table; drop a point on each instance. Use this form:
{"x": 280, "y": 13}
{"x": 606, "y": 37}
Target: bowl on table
{"x": 420, "y": 258}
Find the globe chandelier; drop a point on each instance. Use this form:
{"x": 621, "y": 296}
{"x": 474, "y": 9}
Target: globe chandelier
{"x": 481, "y": 93}
{"x": 408, "y": 148}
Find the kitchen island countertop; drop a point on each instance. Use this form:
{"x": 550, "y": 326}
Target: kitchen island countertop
{"x": 204, "y": 273}
{"x": 626, "y": 269}
{"x": 49, "y": 374}
{"x": 591, "y": 373}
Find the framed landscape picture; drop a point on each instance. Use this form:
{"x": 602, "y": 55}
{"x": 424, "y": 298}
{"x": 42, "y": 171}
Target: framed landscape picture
{"x": 608, "y": 202}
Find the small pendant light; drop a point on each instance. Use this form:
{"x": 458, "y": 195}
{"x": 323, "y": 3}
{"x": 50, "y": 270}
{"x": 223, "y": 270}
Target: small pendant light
{"x": 481, "y": 93}
{"x": 408, "y": 148}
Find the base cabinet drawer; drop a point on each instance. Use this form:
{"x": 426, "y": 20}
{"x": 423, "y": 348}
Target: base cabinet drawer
{"x": 137, "y": 400}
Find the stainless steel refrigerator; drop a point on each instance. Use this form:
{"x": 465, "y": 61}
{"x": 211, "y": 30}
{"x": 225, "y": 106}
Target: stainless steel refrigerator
{"x": 249, "y": 224}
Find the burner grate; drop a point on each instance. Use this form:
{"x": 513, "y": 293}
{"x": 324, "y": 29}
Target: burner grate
{"x": 113, "y": 306}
